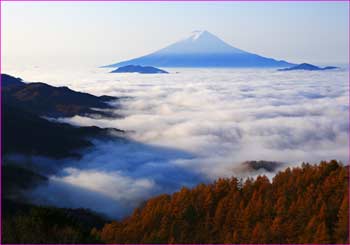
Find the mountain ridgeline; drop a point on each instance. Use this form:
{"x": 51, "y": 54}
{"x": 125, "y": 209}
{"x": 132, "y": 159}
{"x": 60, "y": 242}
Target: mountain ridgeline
{"x": 139, "y": 69}
{"x": 50, "y": 101}
{"x": 202, "y": 49}
{"x": 308, "y": 204}
{"x": 25, "y": 131}
{"x": 308, "y": 67}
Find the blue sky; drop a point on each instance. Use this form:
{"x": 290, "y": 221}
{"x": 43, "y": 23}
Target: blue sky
{"x": 104, "y": 32}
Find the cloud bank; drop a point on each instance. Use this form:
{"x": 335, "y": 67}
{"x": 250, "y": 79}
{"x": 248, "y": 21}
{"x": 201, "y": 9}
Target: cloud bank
{"x": 197, "y": 125}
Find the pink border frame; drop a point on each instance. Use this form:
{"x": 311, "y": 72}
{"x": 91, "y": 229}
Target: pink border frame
{"x": 175, "y": 1}
{"x": 166, "y": 1}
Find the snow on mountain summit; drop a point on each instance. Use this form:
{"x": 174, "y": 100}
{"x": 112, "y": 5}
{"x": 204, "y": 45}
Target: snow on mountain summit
{"x": 197, "y": 34}
{"x": 199, "y": 42}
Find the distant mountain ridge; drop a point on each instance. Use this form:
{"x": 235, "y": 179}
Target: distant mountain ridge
{"x": 47, "y": 100}
{"x": 139, "y": 69}
{"x": 202, "y": 49}
{"x": 308, "y": 67}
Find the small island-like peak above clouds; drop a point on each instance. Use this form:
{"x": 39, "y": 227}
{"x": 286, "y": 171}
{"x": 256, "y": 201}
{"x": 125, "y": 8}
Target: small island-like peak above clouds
{"x": 308, "y": 67}
{"x": 139, "y": 69}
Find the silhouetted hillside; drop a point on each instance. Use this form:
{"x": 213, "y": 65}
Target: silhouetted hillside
{"x": 16, "y": 179}
{"x": 46, "y": 100}
{"x": 26, "y": 133}
{"x": 7, "y": 82}
{"x": 25, "y": 223}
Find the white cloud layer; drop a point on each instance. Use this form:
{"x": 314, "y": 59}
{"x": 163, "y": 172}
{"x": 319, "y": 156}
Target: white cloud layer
{"x": 198, "y": 124}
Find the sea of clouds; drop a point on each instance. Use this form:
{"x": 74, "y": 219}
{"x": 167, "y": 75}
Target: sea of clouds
{"x": 195, "y": 125}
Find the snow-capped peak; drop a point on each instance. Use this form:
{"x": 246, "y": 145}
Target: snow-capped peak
{"x": 200, "y": 41}
{"x": 197, "y": 34}
{"x": 202, "y": 49}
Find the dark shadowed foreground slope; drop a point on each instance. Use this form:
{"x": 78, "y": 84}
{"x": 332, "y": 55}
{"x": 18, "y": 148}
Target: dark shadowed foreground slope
{"x": 25, "y": 223}
{"x": 46, "y": 100}
{"x": 24, "y": 131}
{"x": 27, "y": 133}
{"x": 300, "y": 205}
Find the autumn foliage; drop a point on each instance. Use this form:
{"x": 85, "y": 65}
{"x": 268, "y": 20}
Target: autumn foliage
{"x": 308, "y": 204}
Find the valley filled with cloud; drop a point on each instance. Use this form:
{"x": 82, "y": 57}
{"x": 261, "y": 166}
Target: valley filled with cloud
{"x": 196, "y": 125}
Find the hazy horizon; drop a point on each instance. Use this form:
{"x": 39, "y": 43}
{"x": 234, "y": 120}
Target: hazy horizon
{"x": 36, "y": 33}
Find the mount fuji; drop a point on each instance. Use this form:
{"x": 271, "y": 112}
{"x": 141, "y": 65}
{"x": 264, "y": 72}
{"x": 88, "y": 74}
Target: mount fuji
{"x": 202, "y": 49}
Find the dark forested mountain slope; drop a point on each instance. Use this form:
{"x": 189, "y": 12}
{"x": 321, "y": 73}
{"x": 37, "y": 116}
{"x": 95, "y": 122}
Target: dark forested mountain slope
{"x": 46, "y": 100}
{"x": 26, "y": 133}
{"x": 16, "y": 179}
{"x": 25, "y": 223}
{"x": 300, "y": 205}
{"x": 7, "y": 82}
